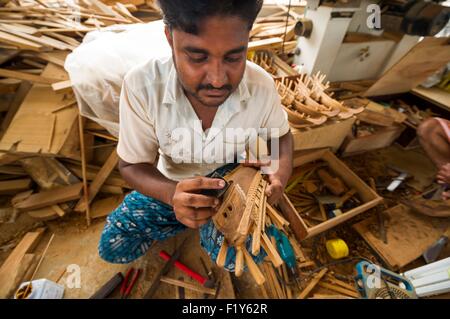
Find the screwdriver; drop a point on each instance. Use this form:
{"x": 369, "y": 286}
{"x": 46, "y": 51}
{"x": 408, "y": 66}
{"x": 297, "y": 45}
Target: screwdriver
{"x": 285, "y": 250}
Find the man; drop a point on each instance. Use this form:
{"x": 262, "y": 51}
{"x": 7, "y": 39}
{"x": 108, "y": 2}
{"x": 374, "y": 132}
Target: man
{"x": 434, "y": 136}
{"x": 204, "y": 89}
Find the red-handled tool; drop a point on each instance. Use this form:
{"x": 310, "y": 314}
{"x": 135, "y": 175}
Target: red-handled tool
{"x": 126, "y": 290}
{"x": 202, "y": 280}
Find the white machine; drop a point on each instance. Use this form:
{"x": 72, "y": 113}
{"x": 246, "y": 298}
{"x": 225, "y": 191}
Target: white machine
{"x": 359, "y": 39}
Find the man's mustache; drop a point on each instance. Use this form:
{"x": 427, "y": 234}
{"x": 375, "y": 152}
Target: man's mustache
{"x": 226, "y": 87}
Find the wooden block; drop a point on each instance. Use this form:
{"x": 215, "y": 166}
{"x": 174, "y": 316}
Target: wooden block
{"x": 51, "y": 197}
{"x": 12, "y": 262}
{"x": 312, "y": 284}
{"x": 14, "y": 186}
{"x": 334, "y": 184}
{"x": 62, "y": 87}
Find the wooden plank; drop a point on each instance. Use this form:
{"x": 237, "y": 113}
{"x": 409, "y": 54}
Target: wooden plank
{"x": 26, "y": 76}
{"x": 403, "y": 228}
{"x": 19, "y": 96}
{"x": 425, "y": 58}
{"x": 25, "y": 246}
{"x": 312, "y": 284}
{"x": 14, "y": 186}
{"x": 57, "y": 58}
{"x": 31, "y": 127}
{"x": 187, "y": 285}
{"x": 51, "y": 197}
{"x": 20, "y": 43}
{"x": 99, "y": 180}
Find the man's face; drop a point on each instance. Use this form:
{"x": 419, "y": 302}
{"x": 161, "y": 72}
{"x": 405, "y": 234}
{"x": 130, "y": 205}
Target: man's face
{"x": 210, "y": 65}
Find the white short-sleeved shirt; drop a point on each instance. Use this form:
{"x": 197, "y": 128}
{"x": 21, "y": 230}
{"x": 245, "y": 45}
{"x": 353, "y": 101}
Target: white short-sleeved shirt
{"x": 156, "y": 117}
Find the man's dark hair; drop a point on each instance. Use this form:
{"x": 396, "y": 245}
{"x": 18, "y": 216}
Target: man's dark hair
{"x": 185, "y": 15}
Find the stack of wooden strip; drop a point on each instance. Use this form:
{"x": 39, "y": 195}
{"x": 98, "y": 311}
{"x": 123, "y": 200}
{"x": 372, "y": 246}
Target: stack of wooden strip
{"x": 41, "y": 153}
{"x": 275, "y": 32}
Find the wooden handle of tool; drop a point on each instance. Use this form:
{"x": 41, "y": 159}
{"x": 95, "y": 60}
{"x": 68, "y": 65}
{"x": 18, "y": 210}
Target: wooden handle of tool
{"x": 253, "y": 267}
{"x": 222, "y": 256}
{"x": 239, "y": 265}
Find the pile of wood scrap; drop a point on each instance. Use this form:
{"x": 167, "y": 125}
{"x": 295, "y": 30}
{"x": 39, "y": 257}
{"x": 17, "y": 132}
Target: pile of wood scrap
{"x": 20, "y": 264}
{"x": 45, "y": 166}
{"x": 318, "y": 195}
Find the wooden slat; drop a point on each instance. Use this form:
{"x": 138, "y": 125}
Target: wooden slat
{"x": 19, "y": 42}
{"x": 26, "y": 77}
{"x": 51, "y": 197}
{"x": 186, "y": 285}
{"x": 312, "y": 284}
{"x": 99, "y": 180}
{"x": 14, "y": 186}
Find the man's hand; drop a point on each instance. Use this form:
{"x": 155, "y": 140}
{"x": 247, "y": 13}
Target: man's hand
{"x": 277, "y": 184}
{"x": 193, "y": 209}
{"x": 275, "y": 189}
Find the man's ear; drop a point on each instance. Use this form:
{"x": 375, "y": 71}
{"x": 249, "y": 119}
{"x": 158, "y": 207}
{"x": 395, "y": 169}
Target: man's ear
{"x": 169, "y": 38}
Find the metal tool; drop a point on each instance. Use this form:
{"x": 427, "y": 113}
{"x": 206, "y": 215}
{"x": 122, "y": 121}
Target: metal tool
{"x": 128, "y": 285}
{"x": 216, "y": 192}
{"x": 164, "y": 271}
{"x": 206, "y": 282}
{"x": 432, "y": 253}
{"x": 285, "y": 250}
{"x": 375, "y": 282}
{"x": 180, "y": 290}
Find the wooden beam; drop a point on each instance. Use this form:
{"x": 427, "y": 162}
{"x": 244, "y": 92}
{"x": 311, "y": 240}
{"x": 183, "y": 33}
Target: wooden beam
{"x": 51, "y": 197}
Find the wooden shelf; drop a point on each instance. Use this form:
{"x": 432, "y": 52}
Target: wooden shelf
{"x": 434, "y": 95}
